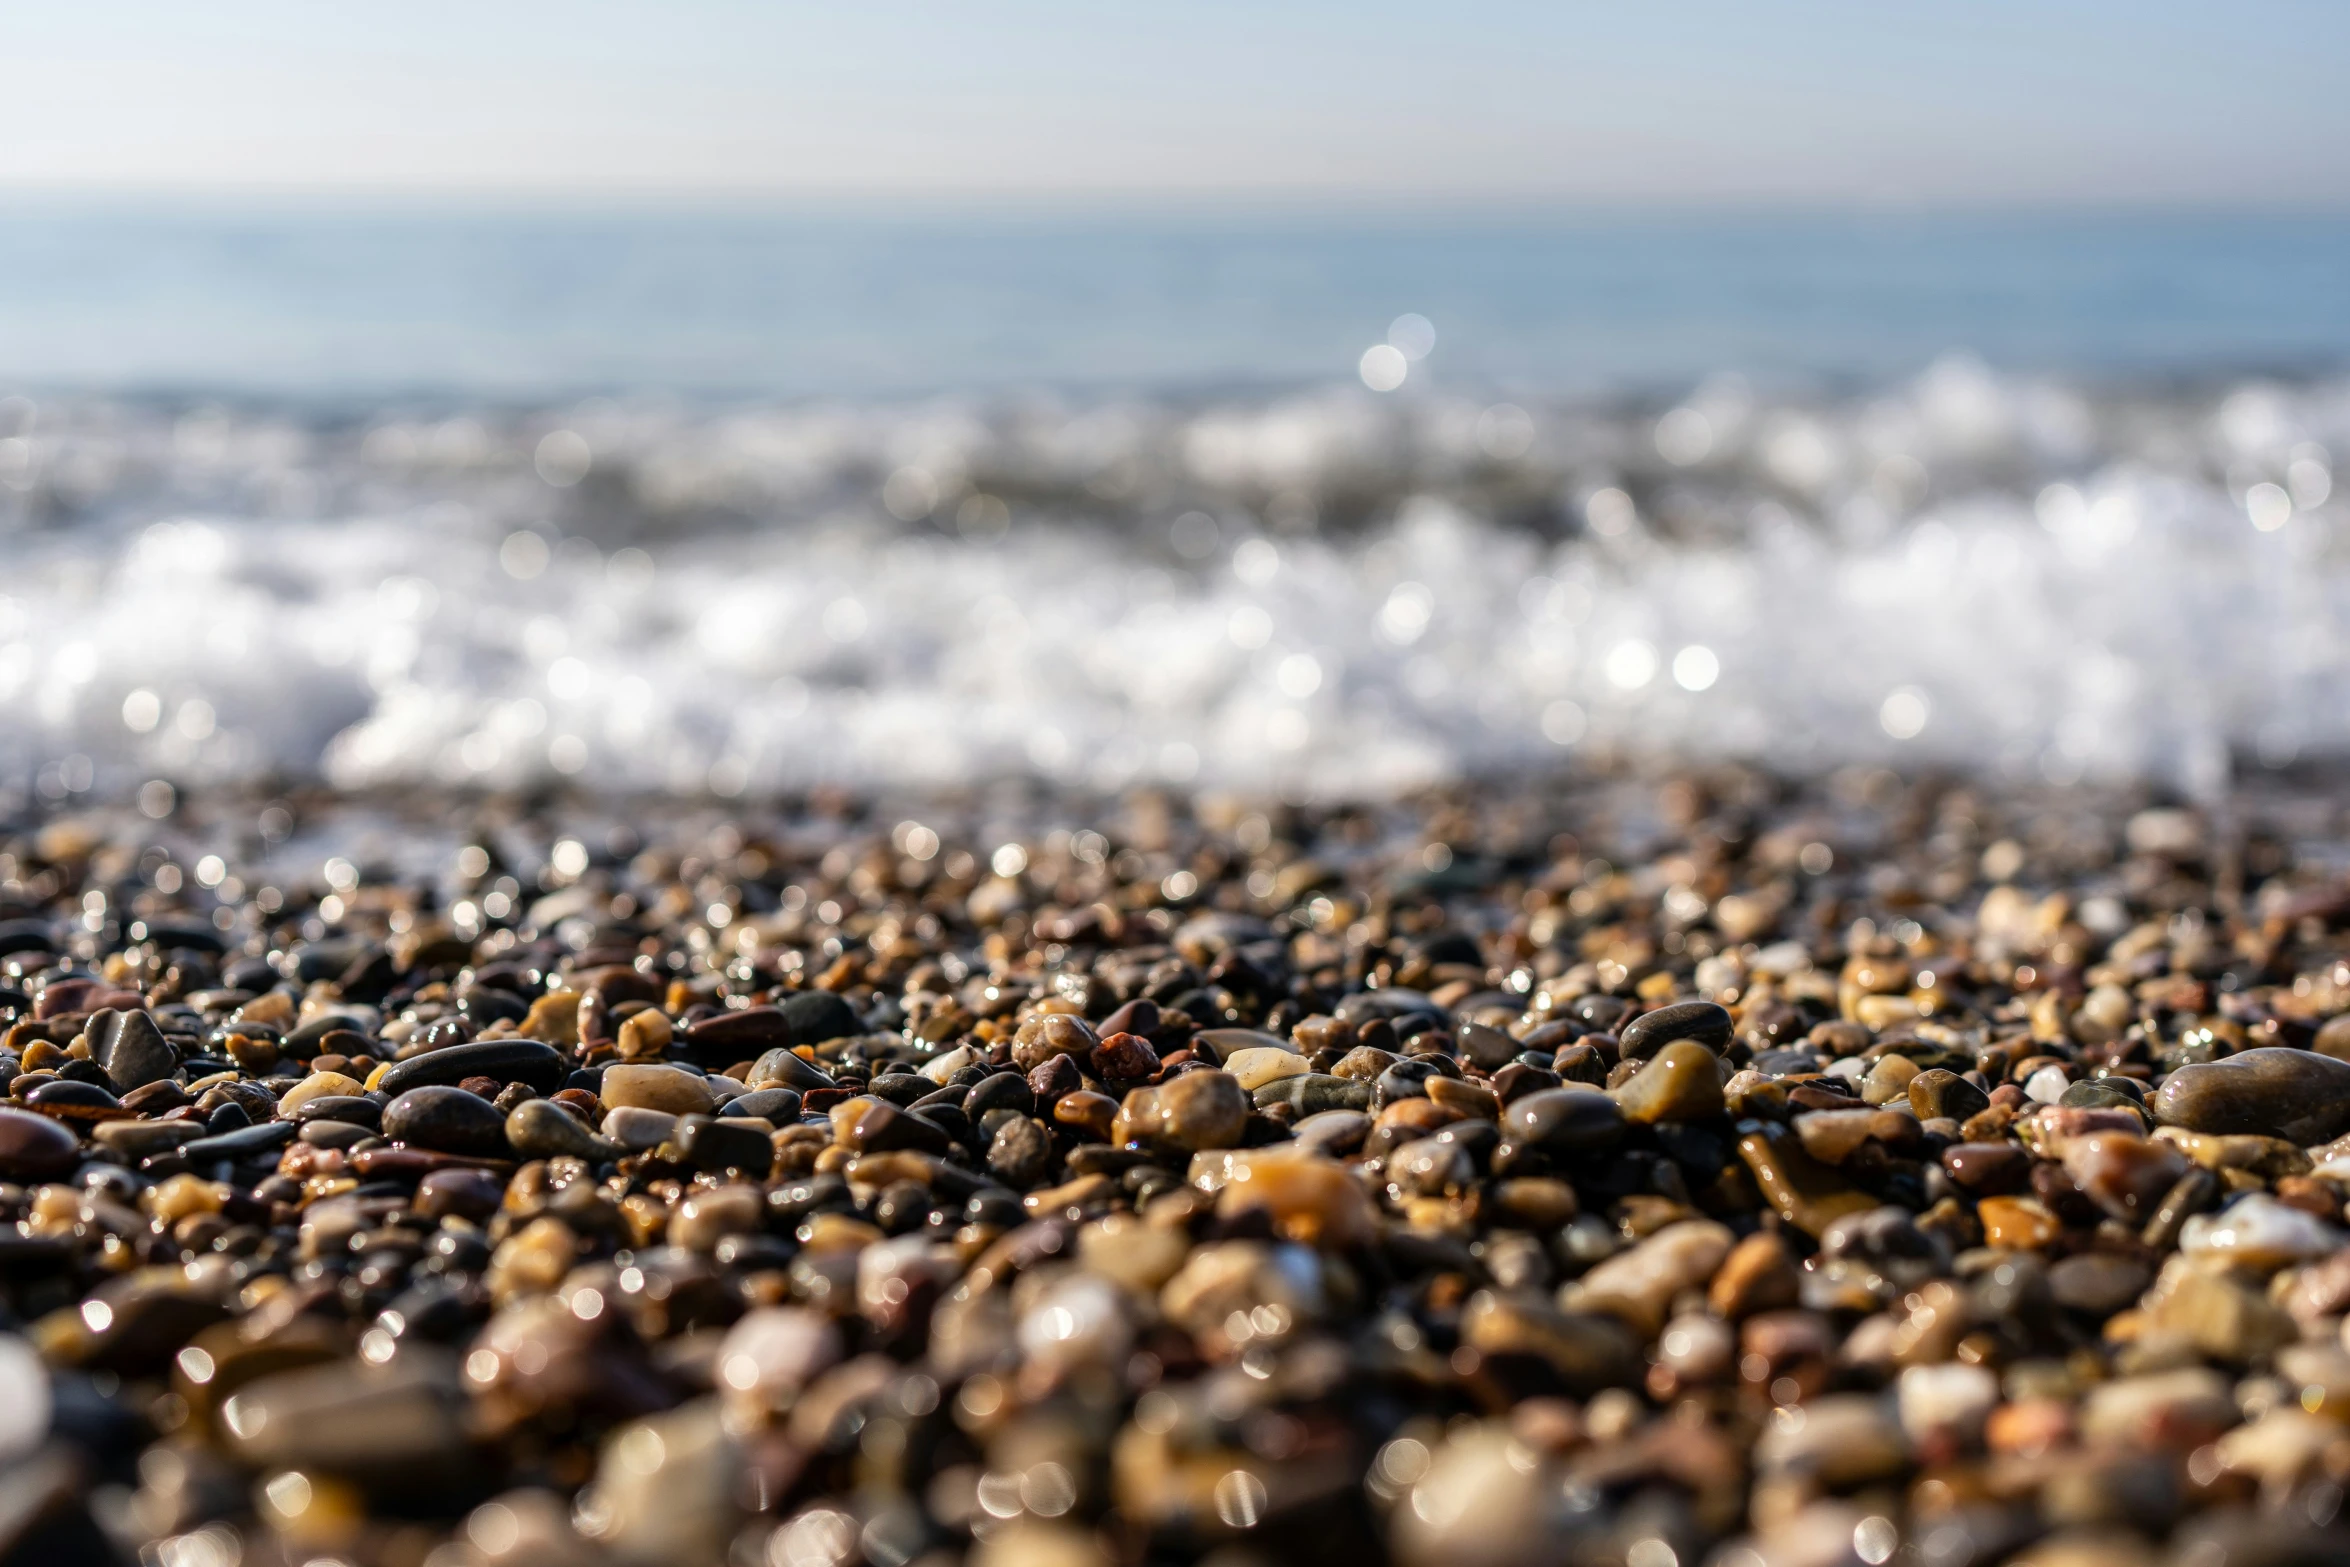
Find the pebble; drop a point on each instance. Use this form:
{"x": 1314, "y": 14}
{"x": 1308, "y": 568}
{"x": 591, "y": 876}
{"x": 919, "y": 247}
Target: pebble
{"x": 1804, "y": 1192}
{"x": 447, "y": 1120}
{"x": 1941, "y": 1093}
{"x": 1945, "y": 1402}
{"x": 670, "y": 1089}
{"x": 1681, "y": 1082}
{"x": 2048, "y": 1085}
{"x": 1189, "y": 1112}
{"x": 539, "y": 1129}
{"x": 1640, "y": 1285}
{"x": 1254, "y": 1068}
{"x": 131, "y": 1049}
{"x": 2126, "y": 1175}
{"x": 1705, "y": 1023}
{"x": 2298, "y": 1095}
{"x": 501, "y": 1060}
{"x": 2258, "y": 1232}
{"x": 34, "y": 1147}
{"x": 631, "y": 1127}
{"x": 319, "y": 1085}
{"x": 781, "y": 1068}
{"x": 1564, "y": 1121}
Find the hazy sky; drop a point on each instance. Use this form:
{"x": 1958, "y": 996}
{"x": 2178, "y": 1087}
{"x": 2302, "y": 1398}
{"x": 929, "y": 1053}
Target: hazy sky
{"x": 1874, "y": 101}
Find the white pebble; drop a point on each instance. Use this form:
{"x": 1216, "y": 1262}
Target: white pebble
{"x": 1953, "y": 1397}
{"x": 2047, "y": 1085}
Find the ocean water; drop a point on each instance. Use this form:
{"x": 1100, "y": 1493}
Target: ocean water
{"x": 728, "y": 506}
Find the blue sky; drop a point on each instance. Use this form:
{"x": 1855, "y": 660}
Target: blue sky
{"x": 1676, "y": 101}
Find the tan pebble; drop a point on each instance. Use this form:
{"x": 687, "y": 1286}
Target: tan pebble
{"x": 2017, "y": 1223}
{"x": 318, "y": 1085}
{"x": 1137, "y": 1254}
{"x": 1253, "y": 1069}
{"x": 1758, "y": 1275}
{"x": 1471, "y": 1100}
{"x": 1084, "y": 1192}
{"x": 668, "y": 1088}
{"x": 553, "y": 1019}
{"x": 1807, "y": 1194}
{"x": 532, "y": 1261}
{"x": 708, "y": 1217}
{"x": 1537, "y": 1202}
{"x": 837, "y": 1232}
{"x": 1639, "y": 1285}
{"x": 1315, "y": 1202}
{"x": 645, "y": 1035}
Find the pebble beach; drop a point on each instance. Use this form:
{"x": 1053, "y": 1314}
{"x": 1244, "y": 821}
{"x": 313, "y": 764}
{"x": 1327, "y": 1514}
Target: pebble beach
{"x": 1646, "y": 1170}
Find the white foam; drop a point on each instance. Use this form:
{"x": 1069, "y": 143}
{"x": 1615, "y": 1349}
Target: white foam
{"x": 2000, "y": 575}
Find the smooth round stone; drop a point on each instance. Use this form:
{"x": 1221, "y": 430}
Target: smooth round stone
{"x": 34, "y": 1147}
{"x": 1256, "y": 1067}
{"x": 1809, "y": 1195}
{"x": 1938, "y": 1092}
{"x": 1406, "y": 1079}
{"x": 1888, "y": 1080}
{"x": 131, "y": 1049}
{"x": 1001, "y": 1091}
{"x": 815, "y": 1016}
{"x": 319, "y": 1085}
{"x": 2298, "y": 1095}
{"x": 1313, "y": 1201}
{"x": 1988, "y": 1168}
{"x": 1190, "y": 1111}
{"x": 1833, "y": 1136}
{"x": 877, "y": 1126}
{"x": 1953, "y": 1398}
{"x": 1639, "y": 1285}
{"x": 2098, "y": 1284}
{"x": 777, "y": 1106}
{"x": 542, "y": 1129}
{"x": 1706, "y": 1022}
{"x": 353, "y": 1109}
{"x": 333, "y": 1134}
{"x": 639, "y": 1129}
{"x": 139, "y": 1139}
{"x": 70, "y": 1099}
{"x": 2259, "y": 1232}
{"x": 713, "y": 1145}
{"x": 502, "y": 1060}
{"x": 2101, "y": 1094}
{"x": 2124, "y": 1174}
{"x": 1564, "y": 1121}
{"x": 1337, "y": 1133}
{"x": 782, "y": 1069}
{"x": 738, "y": 1036}
{"x": 1681, "y": 1082}
{"x": 2017, "y": 1223}
{"x": 667, "y": 1088}
{"x": 1487, "y": 1049}
{"x": 2047, "y": 1085}
{"x": 447, "y": 1120}
{"x": 1227, "y": 1042}
{"x": 941, "y": 1067}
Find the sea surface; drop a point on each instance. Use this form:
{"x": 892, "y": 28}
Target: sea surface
{"x": 728, "y": 504}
